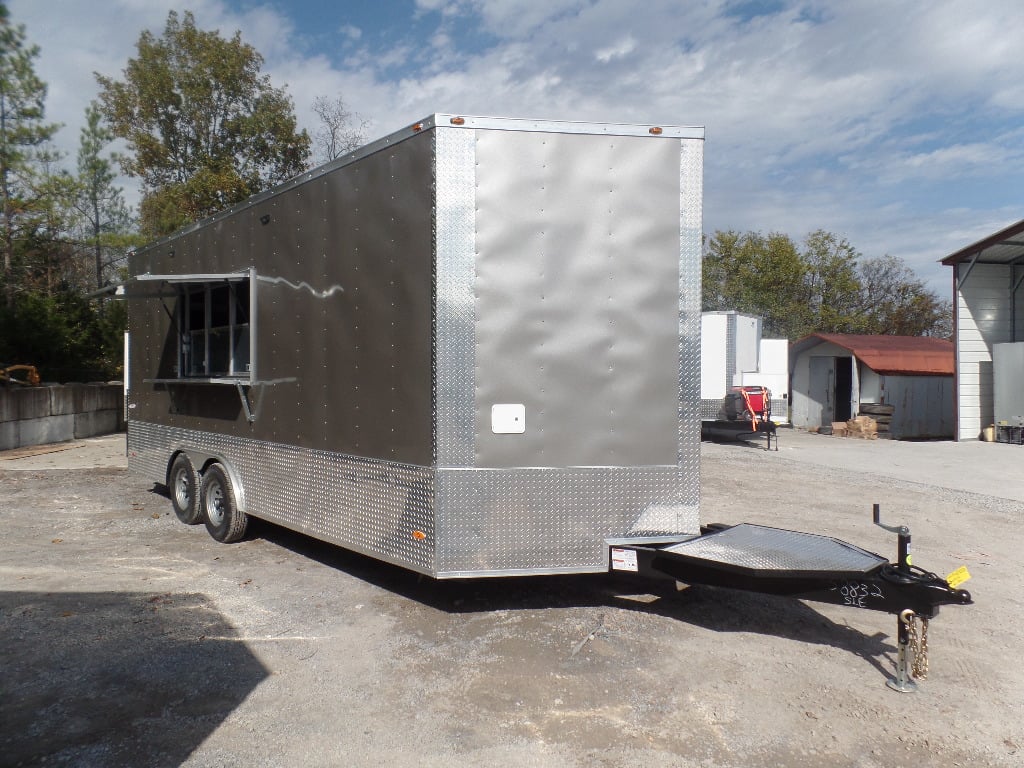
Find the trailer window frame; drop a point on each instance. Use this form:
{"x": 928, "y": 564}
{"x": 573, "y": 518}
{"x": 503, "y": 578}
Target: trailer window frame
{"x": 216, "y": 315}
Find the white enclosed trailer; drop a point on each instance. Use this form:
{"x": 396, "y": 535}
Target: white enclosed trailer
{"x": 733, "y": 354}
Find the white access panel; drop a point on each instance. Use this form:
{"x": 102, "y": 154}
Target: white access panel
{"x": 714, "y": 351}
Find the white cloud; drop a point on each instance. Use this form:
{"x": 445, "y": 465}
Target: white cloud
{"x": 619, "y": 50}
{"x": 826, "y": 114}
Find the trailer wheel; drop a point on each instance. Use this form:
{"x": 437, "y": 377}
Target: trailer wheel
{"x": 184, "y": 487}
{"x": 224, "y": 520}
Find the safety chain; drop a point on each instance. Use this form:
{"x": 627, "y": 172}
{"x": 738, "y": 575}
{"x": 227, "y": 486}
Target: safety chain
{"x": 919, "y": 644}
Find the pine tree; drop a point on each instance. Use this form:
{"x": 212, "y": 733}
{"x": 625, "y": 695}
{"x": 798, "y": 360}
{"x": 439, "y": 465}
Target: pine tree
{"x": 22, "y": 130}
{"x": 106, "y": 216}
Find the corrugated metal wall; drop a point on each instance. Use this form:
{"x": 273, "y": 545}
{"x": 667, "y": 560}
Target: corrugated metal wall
{"x": 923, "y": 406}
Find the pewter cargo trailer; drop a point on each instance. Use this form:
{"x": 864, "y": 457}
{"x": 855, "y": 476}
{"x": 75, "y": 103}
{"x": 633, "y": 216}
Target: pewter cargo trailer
{"x": 471, "y": 348}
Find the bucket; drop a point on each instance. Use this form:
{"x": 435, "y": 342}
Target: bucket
{"x": 988, "y": 434}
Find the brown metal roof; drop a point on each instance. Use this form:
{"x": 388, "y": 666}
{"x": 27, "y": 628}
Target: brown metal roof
{"x": 891, "y": 355}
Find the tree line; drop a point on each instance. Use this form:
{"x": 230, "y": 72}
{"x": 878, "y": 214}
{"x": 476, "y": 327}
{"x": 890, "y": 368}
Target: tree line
{"x": 202, "y": 128}
{"x": 822, "y": 285}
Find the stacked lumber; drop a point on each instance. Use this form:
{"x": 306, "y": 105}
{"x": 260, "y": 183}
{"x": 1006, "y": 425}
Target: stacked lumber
{"x": 862, "y": 426}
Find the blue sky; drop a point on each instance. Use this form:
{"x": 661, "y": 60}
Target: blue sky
{"x": 897, "y": 125}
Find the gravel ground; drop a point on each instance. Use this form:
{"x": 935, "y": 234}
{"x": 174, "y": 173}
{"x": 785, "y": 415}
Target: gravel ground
{"x": 129, "y": 639}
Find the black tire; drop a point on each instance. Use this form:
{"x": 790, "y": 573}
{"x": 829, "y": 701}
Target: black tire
{"x": 224, "y": 520}
{"x": 183, "y": 484}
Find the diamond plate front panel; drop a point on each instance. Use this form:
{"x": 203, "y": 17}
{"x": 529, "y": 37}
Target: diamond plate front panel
{"x": 691, "y": 195}
{"x": 549, "y": 520}
{"x": 765, "y": 549}
{"x": 455, "y": 333}
{"x": 375, "y": 507}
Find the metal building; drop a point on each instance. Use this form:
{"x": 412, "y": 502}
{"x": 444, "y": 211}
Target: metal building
{"x": 833, "y": 374}
{"x": 988, "y": 306}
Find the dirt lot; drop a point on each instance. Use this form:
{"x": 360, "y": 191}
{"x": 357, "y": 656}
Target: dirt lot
{"x": 129, "y": 639}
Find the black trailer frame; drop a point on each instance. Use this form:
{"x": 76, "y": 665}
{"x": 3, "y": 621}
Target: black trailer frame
{"x": 806, "y": 566}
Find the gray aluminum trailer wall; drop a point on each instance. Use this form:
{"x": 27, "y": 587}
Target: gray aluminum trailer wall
{"x": 398, "y": 295}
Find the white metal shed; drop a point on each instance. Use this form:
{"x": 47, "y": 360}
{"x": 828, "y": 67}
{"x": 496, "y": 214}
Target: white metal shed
{"x": 988, "y": 312}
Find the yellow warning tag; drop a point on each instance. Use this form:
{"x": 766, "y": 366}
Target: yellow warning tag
{"x": 958, "y": 577}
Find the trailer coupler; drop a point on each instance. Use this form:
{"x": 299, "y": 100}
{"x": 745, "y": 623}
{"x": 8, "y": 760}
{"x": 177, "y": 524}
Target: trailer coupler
{"x": 807, "y": 566}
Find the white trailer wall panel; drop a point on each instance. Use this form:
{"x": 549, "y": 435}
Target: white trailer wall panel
{"x": 733, "y": 354}
{"x": 773, "y": 372}
{"x": 714, "y": 354}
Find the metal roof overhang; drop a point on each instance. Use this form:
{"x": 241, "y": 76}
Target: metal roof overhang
{"x": 1004, "y": 247}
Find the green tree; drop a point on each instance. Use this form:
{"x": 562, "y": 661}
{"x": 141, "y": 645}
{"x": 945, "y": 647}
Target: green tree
{"x": 62, "y": 335}
{"x": 824, "y": 286}
{"x": 22, "y": 129}
{"x": 204, "y": 128}
{"x": 896, "y": 302}
{"x": 49, "y": 257}
{"x": 831, "y": 288}
{"x": 106, "y": 220}
{"x": 757, "y": 274}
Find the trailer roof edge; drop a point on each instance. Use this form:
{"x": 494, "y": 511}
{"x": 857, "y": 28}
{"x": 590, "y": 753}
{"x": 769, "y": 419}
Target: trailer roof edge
{"x": 443, "y": 120}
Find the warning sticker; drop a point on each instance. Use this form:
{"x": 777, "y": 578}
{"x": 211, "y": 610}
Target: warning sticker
{"x": 623, "y": 560}
{"x": 958, "y": 577}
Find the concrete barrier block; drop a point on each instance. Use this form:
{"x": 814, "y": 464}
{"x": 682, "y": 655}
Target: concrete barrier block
{"x": 53, "y": 429}
{"x": 96, "y": 423}
{"x": 8, "y": 405}
{"x": 62, "y": 401}
{"x": 9, "y": 435}
{"x": 111, "y": 397}
{"x": 33, "y": 402}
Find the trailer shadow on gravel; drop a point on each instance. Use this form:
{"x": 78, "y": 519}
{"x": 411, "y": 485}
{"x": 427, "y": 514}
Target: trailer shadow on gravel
{"x": 712, "y": 608}
{"x": 116, "y": 678}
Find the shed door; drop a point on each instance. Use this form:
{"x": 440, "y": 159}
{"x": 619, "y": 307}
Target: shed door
{"x": 821, "y": 392}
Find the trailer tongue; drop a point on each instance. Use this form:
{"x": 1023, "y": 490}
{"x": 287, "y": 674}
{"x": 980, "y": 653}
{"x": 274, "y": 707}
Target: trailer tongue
{"x": 807, "y": 566}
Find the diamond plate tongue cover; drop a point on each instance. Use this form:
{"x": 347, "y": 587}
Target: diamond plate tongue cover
{"x": 763, "y": 548}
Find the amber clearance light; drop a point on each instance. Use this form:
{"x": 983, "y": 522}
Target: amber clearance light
{"x": 655, "y": 131}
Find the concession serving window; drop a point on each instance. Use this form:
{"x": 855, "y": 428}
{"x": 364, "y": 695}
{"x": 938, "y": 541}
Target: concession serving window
{"x": 213, "y": 316}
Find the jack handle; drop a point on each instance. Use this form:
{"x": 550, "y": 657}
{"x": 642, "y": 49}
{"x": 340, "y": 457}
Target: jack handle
{"x": 902, "y": 539}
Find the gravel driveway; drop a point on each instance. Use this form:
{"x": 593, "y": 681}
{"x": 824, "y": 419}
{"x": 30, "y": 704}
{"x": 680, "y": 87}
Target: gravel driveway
{"x": 129, "y": 639}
